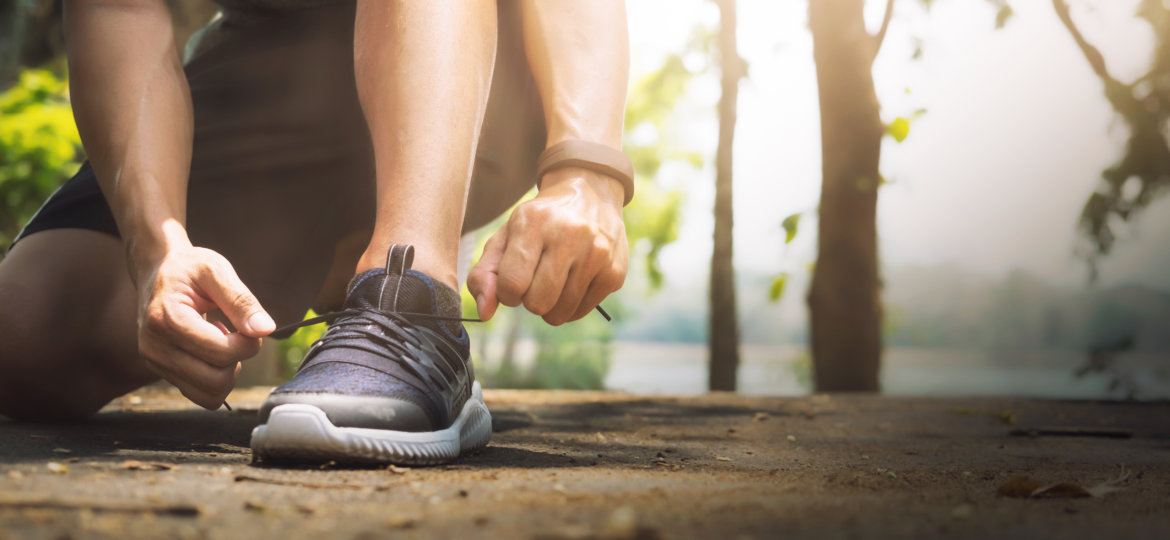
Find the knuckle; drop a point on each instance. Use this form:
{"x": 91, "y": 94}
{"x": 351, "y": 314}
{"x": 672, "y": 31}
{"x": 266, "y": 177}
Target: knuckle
{"x": 601, "y": 245}
{"x": 475, "y": 280}
{"x": 615, "y": 281}
{"x": 221, "y": 358}
{"x": 225, "y": 378}
{"x": 533, "y": 213}
{"x": 243, "y": 300}
{"x": 537, "y": 305}
{"x": 170, "y": 321}
{"x": 511, "y": 285}
{"x": 250, "y": 349}
{"x": 579, "y": 228}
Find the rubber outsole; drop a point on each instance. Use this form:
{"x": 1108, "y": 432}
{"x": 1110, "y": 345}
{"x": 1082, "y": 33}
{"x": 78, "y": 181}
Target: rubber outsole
{"x": 303, "y": 433}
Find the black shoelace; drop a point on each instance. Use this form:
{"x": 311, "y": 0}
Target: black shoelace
{"x": 332, "y": 316}
{"x": 361, "y": 328}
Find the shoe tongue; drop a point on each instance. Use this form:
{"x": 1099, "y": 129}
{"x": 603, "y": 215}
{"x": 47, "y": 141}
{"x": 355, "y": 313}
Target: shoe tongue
{"x": 397, "y": 288}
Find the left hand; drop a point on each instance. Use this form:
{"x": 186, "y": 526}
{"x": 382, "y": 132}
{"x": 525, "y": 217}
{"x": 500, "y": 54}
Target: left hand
{"x": 560, "y": 254}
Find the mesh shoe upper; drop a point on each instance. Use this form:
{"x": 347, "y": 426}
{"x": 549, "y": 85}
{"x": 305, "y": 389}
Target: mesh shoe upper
{"x": 395, "y": 358}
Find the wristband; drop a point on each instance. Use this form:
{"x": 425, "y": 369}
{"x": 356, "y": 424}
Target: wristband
{"x": 595, "y": 157}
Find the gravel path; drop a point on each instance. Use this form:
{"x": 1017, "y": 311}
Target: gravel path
{"x": 607, "y": 465}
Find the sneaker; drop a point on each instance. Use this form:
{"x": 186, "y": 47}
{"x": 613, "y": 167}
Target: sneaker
{"x": 389, "y": 382}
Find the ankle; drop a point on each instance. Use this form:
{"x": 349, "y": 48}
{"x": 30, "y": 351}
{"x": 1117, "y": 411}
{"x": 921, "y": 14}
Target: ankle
{"x": 437, "y": 270}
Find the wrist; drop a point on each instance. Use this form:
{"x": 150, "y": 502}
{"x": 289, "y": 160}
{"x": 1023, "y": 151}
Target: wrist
{"x": 605, "y": 187}
{"x": 147, "y": 246}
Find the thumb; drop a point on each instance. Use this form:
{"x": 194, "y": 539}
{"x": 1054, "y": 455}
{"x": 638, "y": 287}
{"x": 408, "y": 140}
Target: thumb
{"x": 481, "y": 282}
{"x": 231, "y": 296}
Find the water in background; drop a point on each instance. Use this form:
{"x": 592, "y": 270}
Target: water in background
{"x": 672, "y": 368}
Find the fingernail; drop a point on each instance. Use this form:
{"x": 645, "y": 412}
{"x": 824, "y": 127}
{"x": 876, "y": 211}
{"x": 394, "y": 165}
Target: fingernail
{"x": 260, "y": 322}
{"x": 480, "y": 306}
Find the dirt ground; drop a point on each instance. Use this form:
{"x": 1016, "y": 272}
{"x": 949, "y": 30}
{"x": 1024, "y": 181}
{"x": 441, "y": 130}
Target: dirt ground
{"x": 608, "y": 465}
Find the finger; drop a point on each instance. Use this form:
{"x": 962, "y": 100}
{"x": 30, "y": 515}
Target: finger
{"x": 208, "y": 400}
{"x": 602, "y": 286}
{"x": 571, "y": 295}
{"x": 186, "y": 368}
{"x": 481, "y": 282}
{"x": 203, "y": 339}
{"x": 517, "y": 266}
{"x": 241, "y": 307}
{"x": 547, "y": 282}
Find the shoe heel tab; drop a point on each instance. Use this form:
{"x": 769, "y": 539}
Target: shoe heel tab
{"x": 399, "y": 259}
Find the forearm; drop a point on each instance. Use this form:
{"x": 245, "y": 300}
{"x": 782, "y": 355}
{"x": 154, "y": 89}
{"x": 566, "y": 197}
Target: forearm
{"x": 579, "y": 55}
{"x": 133, "y": 110}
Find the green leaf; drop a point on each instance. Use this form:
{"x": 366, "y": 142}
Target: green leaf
{"x": 899, "y": 129}
{"x": 776, "y": 291}
{"x": 790, "y": 225}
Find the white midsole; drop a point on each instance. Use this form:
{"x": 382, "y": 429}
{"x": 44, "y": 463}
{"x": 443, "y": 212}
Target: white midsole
{"x": 299, "y": 430}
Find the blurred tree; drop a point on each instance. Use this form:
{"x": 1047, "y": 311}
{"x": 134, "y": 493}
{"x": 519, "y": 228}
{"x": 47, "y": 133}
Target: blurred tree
{"x": 724, "y": 318}
{"x": 1143, "y": 172}
{"x": 844, "y": 299}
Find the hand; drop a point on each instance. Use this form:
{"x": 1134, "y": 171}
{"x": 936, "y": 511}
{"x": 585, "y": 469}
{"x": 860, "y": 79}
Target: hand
{"x": 559, "y": 254}
{"x": 199, "y": 357}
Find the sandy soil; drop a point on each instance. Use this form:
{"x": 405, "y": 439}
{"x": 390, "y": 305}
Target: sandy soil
{"x": 608, "y": 465}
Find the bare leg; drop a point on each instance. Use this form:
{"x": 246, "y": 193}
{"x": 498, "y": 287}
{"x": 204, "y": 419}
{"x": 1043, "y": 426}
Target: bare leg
{"x": 69, "y": 341}
{"x": 423, "y": 73}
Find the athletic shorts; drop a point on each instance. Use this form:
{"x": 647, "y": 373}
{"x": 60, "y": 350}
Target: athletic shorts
{"x": 282, "y": 166}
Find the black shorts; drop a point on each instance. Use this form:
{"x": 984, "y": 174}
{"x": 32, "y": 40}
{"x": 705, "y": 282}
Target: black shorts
{"x": 282, "y": 166}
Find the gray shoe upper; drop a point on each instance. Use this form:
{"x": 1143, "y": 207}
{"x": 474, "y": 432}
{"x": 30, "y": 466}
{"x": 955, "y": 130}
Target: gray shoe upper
{"x": 395, "y": 359}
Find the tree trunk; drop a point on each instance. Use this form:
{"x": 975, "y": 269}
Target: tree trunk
{"x": 844, "y": 299}
{"x": 724, "y": 324}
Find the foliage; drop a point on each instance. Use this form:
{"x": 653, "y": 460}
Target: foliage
{"x": 790, "y": 225}
{"x": 574, "y": 356}
{"x": 776, "y": 290}
{"x": 1143, "y": 172}
{"x": 293, "y": 349}
{"x": 899, "y": 128}
{"x": 652, "y": 219}
{"x": 802, "y": 370}
{"x": 39, "y": 146}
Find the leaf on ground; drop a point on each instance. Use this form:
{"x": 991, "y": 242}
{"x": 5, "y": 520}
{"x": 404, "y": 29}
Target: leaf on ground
{"x": 135, "y": 465}
{"x": 1025, "y": 487}
{"x": 57, "y": 468}
{"x": 400, "y": 522}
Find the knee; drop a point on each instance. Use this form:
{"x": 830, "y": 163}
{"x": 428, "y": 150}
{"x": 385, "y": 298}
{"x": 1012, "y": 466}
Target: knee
{"x": 32, "y": 395}
{"x": 33, "y": 384}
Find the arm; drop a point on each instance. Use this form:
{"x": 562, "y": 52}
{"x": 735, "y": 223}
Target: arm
{"x": 133, "y": 110}
{"x": 563, "y": 252}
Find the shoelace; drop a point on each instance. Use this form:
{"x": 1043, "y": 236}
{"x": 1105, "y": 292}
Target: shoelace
{"x": 335, "y": 315}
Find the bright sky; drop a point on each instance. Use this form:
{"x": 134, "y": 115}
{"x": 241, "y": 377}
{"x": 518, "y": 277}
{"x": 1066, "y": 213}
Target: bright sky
{"x": 991, "y": 178}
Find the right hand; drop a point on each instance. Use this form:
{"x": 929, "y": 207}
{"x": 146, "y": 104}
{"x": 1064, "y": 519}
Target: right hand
{"x": 201, "y": 358}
